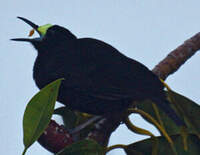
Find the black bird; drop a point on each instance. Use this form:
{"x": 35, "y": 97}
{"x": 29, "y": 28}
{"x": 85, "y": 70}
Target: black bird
{"x": 98, "y": 78}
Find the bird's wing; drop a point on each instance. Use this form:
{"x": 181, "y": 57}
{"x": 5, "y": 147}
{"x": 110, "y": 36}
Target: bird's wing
{"x": 106, "y": 73}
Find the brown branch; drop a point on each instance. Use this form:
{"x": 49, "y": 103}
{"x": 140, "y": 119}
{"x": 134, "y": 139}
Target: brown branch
{"x": 177, "y": 57}
{"x": 55, "y": 137}
{"x": 104, "y": 128}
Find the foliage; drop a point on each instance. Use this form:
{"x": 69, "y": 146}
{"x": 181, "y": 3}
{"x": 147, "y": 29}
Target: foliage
{"x": 38, "y": 113}
{"x": 173, "y": 139}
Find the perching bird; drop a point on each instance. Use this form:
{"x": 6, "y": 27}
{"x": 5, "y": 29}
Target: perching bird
{"x": 98, "y": 78}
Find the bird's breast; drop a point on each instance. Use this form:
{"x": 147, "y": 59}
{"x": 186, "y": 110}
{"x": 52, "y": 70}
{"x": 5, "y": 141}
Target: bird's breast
{"x": 52, "y": 67}
{"x": 44, "y": 71}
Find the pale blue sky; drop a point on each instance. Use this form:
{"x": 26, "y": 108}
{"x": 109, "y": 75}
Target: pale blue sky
{"x": 143, "y": 30}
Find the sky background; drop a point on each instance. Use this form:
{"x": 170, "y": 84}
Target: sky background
{"x": 143, "y": 30}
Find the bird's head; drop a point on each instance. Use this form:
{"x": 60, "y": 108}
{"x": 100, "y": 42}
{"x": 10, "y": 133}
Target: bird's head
{"x": 50, "y": 35}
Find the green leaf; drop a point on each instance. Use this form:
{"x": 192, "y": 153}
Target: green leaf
{"x": 145, "y": 147}
{"x": 69, "y": 117}
{"x": 190, "y": 109}
{"x": 38, "y": 113}
{"x": 84, "y": 147}
{"x": 169, "y": 125}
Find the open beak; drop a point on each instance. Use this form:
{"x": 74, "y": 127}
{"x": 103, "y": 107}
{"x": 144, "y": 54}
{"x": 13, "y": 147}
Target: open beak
{"x": 34, "y": 26}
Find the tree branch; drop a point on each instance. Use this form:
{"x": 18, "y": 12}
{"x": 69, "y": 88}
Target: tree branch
{"x": 177, "y": 57}
{"x": 55, "y": 137}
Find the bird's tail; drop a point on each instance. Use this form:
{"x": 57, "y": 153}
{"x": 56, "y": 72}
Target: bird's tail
{"x": 164, "y": 105}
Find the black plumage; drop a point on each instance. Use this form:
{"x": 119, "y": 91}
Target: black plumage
{"x": 98, "y": 78}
